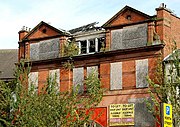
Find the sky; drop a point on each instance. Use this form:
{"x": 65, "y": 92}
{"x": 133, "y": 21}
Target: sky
{"x": 65, "y": 14}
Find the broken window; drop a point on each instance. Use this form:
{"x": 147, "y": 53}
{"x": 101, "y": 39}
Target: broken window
{"x": 83, "y": 47}
{"x": 101, "y": 44}
{"x": 92, "y": 46}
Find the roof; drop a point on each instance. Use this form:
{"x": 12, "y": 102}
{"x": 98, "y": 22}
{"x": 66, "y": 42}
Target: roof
{"x": 172, "y": 56}
{"x": 121, "y": 11}
{"x": 60, "y": 31}
{"x": 8, "y": 58}
{"x": 85, "y": 28}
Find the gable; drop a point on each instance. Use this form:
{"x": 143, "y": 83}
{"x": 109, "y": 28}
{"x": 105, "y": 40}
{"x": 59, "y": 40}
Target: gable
{"x": 44, "y": 30}
{"x": 127, "y": 15}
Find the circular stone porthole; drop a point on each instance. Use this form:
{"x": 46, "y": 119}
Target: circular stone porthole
{"x": 128, "y": 17}
{"x": 44, "y": 31}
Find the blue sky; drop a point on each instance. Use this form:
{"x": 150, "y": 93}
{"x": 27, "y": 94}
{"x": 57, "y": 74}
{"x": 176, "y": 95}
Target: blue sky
{"x": 65, "y": 14}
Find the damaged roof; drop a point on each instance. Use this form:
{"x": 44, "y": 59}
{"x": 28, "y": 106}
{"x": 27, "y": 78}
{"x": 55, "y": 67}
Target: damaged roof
{"x": 8, "y": 58}
{"x": 85, "y": 28}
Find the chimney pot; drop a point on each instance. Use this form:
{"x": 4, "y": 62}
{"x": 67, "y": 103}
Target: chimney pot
{"x": 162, "y": 4}
{"x": 23, "y": 27}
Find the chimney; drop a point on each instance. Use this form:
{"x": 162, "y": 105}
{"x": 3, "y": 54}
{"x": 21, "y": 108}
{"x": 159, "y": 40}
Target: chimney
{"x": 23, "y": 32}
{"x": 163, "y": 7}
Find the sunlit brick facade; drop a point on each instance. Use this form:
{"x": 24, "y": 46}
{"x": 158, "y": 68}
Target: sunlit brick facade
{"x": 134, "y": 42}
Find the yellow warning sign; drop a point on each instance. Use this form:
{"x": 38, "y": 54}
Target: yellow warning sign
{"x": 121, "y": 114}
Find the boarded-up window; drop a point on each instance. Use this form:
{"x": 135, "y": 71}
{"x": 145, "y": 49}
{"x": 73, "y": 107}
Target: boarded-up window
{"x": 116, "y": 76}
{"x": 92, "y": 69}
{"x": 129, "y": 37}
{"x": 33, "y": 81}
{"x": 55, "y": 74}
{"x": 47, "y": 49}
{"x": 141, "y": 73}
{"x": 78, "y": 78}
{"x": 142, "y": 118}
{"x": 116, "y": 39}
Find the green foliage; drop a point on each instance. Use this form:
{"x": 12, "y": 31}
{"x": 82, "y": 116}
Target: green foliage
{"x": 22, "y": 106}
{"x": 70, "y": 49}
{"x": 103, "y": 48}
{"x": 168, "y": 89}
{"x": 69, "y": 64}
{"x": 5, "y": 97}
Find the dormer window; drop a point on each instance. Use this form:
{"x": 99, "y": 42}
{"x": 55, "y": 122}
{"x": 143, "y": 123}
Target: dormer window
{"x": 91, "y": 45}
{"x": 128, "y": 17}
{"x": 83, "y": 47}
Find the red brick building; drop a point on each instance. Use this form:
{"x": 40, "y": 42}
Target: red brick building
{"x": 134, "y": 42}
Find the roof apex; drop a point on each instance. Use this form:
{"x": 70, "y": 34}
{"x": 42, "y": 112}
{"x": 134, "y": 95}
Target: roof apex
{"x": 48, "y": 25}
{"x": 122, "y": 10}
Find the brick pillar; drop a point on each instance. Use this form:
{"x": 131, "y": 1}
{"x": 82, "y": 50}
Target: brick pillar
{"x": 128, "y": 74}
{"x": 163, "y": 27}
{"x": 21, "y": 51}
{"x": 42, "y": 80}
{"x": 108, "y": 39}
{"x": 65, "y": 79}
{"x": 151, "y": 30}
{"x": 105, "y": 75}
{"x": 27, "y": 50}
{"x": 22, "y": 33}
{"x": 63, "y": 39}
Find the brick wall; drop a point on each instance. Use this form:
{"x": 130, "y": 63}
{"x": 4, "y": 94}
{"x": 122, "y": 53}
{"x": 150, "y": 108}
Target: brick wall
{"x": 168, "y": 28}
{"x": 128, "y": 72}
{"x": 42, "y": 80}
{"x": 122, "y": 18}
{"x": 65, "y": 80}
{"x": 105, "y": 75}
{"x": 42, "y": 32}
